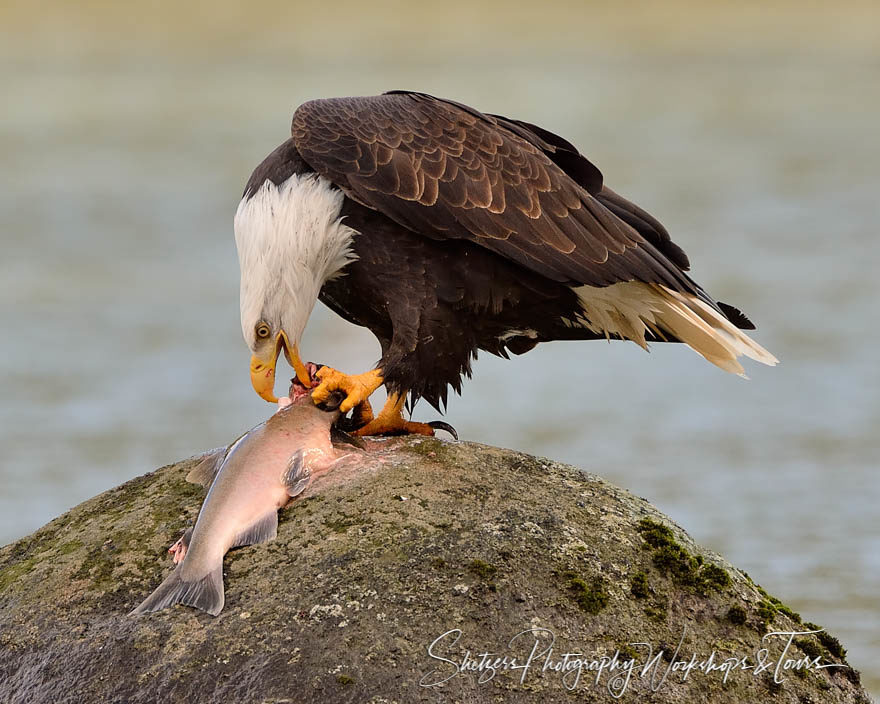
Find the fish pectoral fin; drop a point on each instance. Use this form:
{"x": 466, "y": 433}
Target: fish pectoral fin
{"x": 264, "y": 530}
{"x": 297, "y": 475}
{"x": 205, "y": 593}
{"x": 205, "y": 471}
{"x": 303, "y": 465}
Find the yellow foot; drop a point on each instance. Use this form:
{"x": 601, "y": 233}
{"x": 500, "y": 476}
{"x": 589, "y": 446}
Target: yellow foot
{"x": 390, "y": 421}
{"x": 357, "y": 388}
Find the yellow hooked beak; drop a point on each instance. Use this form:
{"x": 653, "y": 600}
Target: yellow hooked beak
{"x": 263, "y": 370}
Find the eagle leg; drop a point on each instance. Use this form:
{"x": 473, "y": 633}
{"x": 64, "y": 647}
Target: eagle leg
{"x": 390, "y": 420}
{"x": 357, "y": 388}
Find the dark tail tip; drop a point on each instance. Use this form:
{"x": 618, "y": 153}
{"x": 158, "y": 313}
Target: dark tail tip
{"x": 736, "y": 316}
{"x": 205, "y": 593}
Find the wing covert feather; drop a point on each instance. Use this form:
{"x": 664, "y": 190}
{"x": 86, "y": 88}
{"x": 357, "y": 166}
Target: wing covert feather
{"x": 445, "y": 170}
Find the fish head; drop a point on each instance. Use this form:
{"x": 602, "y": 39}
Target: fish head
{"x": 300, "y": 393}
{"x": 298, "y": 390}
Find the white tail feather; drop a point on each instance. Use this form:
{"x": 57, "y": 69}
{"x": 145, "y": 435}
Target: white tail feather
{"x": 631, "y": 308}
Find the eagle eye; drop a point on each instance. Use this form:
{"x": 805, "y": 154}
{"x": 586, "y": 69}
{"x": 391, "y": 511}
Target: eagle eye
{"x": 262, "y": 331}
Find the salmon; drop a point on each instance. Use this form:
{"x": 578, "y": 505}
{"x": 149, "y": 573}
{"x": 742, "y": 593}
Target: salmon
{"x": 258, "y": 474}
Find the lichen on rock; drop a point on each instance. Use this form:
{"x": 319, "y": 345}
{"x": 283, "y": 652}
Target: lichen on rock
{"x": 366, "y": 573}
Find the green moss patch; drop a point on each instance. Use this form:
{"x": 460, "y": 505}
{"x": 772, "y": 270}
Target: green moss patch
{"x": 779, "y": 607}
{"x": 590, "y": 595}
{"x": 656, "y": 534}
{"x": 737, "y": 615}
{"x": 69, "y": 547}
{"x": 822, "y": 645}
{"x": 655, "y": 614}
{"x": 832, "y": 645}
{"x": 766, "y": 612}
{"x": 639, "y": 586}
{"x": 810, "y": 648}
{"x": 10, "y": 574}
{"x": 673, "y": 560}
{"x": 483, "y": 570}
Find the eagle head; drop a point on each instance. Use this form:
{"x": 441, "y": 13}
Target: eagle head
{"x": 290, "y": 241}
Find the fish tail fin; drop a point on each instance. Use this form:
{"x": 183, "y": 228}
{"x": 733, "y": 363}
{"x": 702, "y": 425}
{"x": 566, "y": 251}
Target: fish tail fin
{"x": 205, "y": 593}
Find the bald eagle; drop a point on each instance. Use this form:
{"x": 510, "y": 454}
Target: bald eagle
{"x": 446, "y": 231}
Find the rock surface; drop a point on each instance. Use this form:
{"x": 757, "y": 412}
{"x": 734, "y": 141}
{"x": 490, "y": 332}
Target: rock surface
{"x": 366, "y": 574}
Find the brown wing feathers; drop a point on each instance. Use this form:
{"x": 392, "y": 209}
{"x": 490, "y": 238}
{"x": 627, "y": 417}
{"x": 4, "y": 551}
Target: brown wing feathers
{"x": 447, "y": 171}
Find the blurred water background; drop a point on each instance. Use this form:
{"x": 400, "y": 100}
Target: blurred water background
{"x": 127, "y": 132}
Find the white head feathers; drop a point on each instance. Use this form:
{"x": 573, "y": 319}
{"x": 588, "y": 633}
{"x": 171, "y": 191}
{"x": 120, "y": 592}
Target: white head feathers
{"x": 290, "y": 240}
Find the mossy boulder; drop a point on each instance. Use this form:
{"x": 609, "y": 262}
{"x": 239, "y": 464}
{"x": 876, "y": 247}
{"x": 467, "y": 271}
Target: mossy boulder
{"x": 366, "y": 574}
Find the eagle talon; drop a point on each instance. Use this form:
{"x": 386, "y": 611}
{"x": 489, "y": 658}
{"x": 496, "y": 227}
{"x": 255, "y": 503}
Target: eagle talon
{"x": 390, "y": 421}
{"x": 362, "y": 414}
{"x": 357, "y": 388}
{"x": 442, "y": 425}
